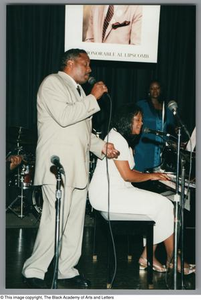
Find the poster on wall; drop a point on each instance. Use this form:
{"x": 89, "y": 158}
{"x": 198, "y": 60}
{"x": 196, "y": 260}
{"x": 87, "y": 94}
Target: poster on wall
{"x": 114, "y": 32}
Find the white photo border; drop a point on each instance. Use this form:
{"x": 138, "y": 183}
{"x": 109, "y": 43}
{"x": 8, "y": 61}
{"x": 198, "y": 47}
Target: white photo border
{"x": 146, "y": 52}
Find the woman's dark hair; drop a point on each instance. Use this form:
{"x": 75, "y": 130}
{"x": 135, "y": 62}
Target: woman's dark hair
{"x": 70, "y": 55}
{"x": 122, "y": 121}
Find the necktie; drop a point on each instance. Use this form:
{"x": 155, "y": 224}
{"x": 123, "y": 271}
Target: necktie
{"x": 107, "y": 20}
{"x": 78, "y": 89}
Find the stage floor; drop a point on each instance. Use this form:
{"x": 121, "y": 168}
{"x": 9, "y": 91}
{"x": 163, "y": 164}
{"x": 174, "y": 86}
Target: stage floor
{"x": 20, "y": 237}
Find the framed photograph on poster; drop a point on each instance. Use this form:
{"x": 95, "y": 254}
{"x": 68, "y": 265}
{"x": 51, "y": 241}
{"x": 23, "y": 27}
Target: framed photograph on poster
{"x": 114, "y": 32}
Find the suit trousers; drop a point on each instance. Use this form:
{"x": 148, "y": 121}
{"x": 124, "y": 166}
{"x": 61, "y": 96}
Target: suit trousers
{"x": 73, "y": 206}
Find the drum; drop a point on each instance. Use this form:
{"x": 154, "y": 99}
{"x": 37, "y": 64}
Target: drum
{"x": 13, "y": 180}
{"x": 22, "y": 176}
{"x": 27, "y": 173}
{"x": 37, "y": 201}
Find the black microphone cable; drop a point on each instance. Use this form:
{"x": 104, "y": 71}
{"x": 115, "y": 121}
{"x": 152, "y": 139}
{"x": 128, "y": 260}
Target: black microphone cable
{"x": 108, "y": 212}
{"x": 92, "y": 81}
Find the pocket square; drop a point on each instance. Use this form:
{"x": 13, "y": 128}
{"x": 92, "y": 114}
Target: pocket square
{"x": 117, "y": 24}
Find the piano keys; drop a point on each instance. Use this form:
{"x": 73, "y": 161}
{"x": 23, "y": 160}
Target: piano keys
{"x": 172, "y": 182}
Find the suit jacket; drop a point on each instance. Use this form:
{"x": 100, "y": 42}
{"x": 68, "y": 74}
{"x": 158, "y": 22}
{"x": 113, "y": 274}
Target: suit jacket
{"x": 124, "y": 28}
{"x": 64, "y": 129}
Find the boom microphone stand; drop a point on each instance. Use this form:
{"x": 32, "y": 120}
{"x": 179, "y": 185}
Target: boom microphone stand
{"x": 172, "y": 105}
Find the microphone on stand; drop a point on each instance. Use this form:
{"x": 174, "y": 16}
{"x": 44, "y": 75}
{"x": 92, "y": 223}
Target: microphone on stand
{"x": 55, "y": 160}
{"x": 172, "y": 105}
{"x": 156, "y": 132}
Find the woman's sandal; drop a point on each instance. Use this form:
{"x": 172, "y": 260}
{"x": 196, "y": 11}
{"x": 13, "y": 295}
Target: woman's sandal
{"x": 143, "y": 266}
{"x": 187, "y": 270}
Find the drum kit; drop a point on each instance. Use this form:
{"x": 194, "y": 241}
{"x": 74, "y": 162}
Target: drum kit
{"x": 19, "y": 182}
{"x": 29, "y": 197}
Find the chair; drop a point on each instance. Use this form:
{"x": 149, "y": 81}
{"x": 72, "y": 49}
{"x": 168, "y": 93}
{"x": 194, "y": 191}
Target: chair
{"x": 129, "y": 224}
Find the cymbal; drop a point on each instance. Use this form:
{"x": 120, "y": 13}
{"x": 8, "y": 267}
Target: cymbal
{"x": 20, "y": 135}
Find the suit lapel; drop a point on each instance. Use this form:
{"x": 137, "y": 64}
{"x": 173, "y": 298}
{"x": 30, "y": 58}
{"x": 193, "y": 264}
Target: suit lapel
{"x": 68, "y": 82}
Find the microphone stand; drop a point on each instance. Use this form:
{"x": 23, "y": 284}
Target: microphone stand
{"x": 57, "y": 227}
{"x": 176, "y": 210}
{"x": 182, "y": 219}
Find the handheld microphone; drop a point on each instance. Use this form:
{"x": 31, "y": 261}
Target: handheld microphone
{"x": 92, "y": 80}
{"x": 55, "y": 160}
{"x": 156, "y": 132}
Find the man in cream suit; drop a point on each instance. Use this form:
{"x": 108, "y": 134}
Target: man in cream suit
{"x": 65, "y": 130}
{"x": 118, "y": 24}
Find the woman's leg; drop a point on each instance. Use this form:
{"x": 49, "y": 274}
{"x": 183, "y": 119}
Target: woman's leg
{"x": 156, "y": 263}
{"x": 169, "y": 244}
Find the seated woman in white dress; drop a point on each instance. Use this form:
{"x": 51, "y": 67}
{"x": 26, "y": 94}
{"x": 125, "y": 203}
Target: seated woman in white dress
{"x": 124, "y": 197}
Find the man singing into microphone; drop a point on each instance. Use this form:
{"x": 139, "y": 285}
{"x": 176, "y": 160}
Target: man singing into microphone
{"x": 64, "y": 130}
